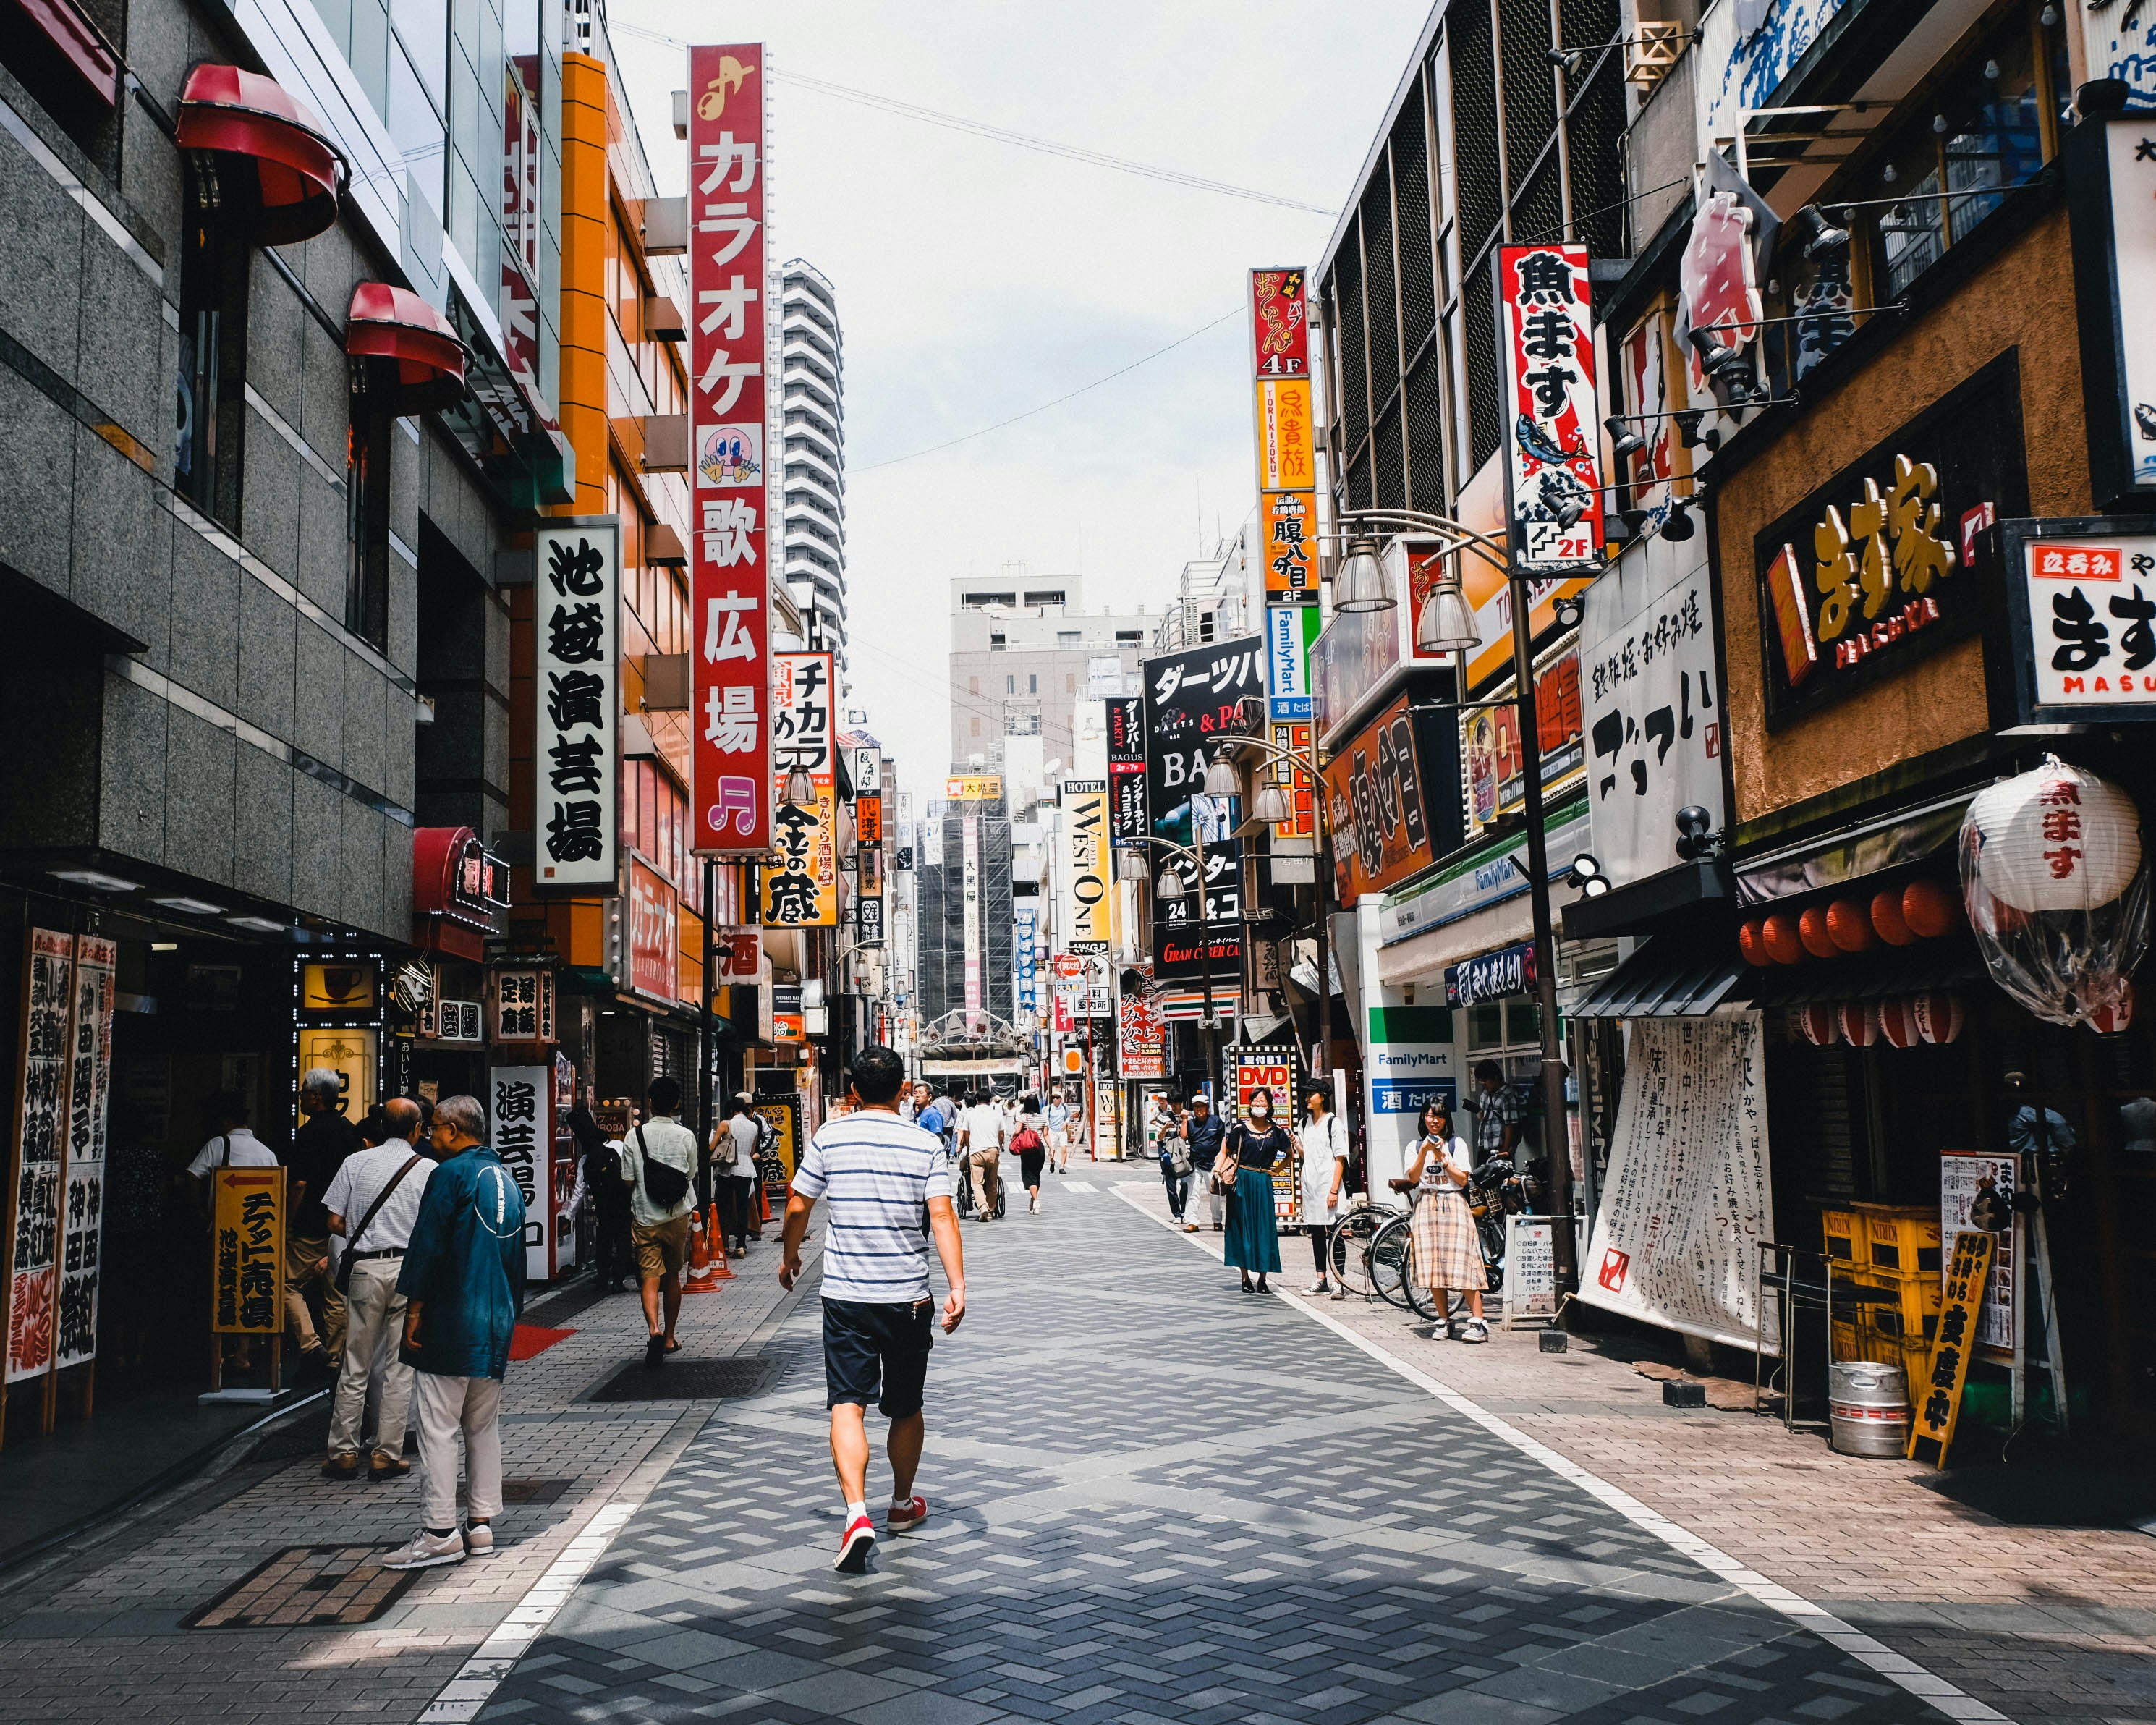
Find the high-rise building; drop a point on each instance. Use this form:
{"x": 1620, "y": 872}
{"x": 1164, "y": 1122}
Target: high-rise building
{"x": 812, "y": 370}
{"x": 1024, "y": 649}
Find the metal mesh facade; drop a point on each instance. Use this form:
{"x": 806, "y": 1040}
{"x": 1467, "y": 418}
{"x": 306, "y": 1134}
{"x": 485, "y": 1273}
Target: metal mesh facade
{"x": 1383, "y": 294}
{"x": 941, "y": 913}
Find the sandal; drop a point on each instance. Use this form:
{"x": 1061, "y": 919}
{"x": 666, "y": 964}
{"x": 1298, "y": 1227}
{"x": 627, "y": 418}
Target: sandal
{"x": 673, "y": 1347}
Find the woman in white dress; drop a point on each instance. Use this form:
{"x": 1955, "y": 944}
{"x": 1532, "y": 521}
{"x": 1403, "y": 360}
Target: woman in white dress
{"x": 1322, "y": 1153}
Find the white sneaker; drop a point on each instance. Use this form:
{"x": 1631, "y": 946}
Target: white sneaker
{"x": 1320, "y": 1286}
{"x": 478, "y": 1540}
{"x": 1475, "y": 1330}
{"x": 426, "y": 1550}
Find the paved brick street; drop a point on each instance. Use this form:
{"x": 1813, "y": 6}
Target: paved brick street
{"x": 1153, "y": 1499}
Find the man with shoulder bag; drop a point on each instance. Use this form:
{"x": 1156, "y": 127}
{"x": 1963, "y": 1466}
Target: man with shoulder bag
{"x": 1175, "y": 1171}
{"x": 1206, "y": 1139}
{"x": 372, "y": 1202}
{"x": 734, "y": 1147}
{"x": 659, "y": 1162}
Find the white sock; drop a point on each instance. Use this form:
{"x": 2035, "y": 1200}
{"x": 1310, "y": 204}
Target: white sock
{"x": 854, "y": 1510}
{"x": 905, "y": 1502}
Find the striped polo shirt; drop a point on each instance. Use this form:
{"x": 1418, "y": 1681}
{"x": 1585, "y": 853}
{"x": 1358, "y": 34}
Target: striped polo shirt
{"x": 875, "y": 1172}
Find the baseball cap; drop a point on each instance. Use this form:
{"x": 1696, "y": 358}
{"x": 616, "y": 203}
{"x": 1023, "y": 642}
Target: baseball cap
{"x": 1201, "y": 1100}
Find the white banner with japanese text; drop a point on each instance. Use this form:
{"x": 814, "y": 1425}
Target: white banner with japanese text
{"x": 577, "y": 630}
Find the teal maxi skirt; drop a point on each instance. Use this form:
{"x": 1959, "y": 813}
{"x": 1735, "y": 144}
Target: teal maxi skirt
{"x": 1253, "y": 1242}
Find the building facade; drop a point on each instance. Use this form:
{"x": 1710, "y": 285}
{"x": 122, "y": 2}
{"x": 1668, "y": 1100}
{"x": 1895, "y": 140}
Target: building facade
{"x": 812, "y": 371}
{"x": 1023, "y": 649}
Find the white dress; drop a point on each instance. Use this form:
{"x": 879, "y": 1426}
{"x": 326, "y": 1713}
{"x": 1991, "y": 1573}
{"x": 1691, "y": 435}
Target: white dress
{"x": 1324, "y": 1146}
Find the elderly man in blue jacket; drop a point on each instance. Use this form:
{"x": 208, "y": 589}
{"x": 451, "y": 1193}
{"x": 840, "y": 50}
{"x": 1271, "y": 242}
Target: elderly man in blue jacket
{"x": 464, "y": 1277}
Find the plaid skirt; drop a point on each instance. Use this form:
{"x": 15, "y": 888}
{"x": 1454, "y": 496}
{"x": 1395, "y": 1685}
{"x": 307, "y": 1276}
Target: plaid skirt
{"x": 1445, "y": 1252}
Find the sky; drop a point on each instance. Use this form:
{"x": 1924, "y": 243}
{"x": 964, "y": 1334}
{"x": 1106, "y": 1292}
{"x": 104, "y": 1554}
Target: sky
{"x": 977, "y": 280}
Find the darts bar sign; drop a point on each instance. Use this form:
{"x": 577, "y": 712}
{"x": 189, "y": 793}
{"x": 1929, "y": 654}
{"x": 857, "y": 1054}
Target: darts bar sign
{"x": 730, "y": 497}
{"x": 1552, "y": 466}
{"x": 577, "y": 630}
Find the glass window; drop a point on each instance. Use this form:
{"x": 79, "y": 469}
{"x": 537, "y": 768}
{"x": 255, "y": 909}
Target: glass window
{"x": 1486, "y": 1026}
{"x": 415, "y": 127}
{"x": 366, "y": 522}
{"x": 423, "y": 27}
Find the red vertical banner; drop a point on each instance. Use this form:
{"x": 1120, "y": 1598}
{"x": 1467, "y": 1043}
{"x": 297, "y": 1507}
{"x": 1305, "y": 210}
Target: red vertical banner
{"x": 1553, "y": 459}
{"x": 730, "y": 497}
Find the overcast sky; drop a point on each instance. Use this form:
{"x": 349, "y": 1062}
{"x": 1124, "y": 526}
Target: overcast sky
{"x": 976, "y": 279}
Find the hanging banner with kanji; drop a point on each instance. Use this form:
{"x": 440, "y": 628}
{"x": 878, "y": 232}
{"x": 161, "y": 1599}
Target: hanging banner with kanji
{"x": 576, "y": 632}
{"x": 1552, "y": 463}
{"x": 1287, "y": 470}
{"x": 90, "y": 1089}
{"x": 729, "y": 495}
{"x": 801, "y": 888}
{"x": 41, "y": 1116}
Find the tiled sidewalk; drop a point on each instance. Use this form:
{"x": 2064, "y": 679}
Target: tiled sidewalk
{"x": 2042, "y": 1624}
{"x": 98, "y": 1636}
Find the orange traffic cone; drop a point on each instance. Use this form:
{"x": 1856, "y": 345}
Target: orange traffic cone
{"x": 763, "y": 1199}
{"x": 699, "y": 1280}
{"x": 720, "y": 1269}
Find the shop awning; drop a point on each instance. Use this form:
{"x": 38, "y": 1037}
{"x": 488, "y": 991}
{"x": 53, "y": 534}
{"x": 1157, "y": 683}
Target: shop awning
{"x": 395, "y": 324}
{"x": 70, "y": 37}
{"x": 1665, "y": 981}
{"x": 1906, "y": 836}
{"x": 295, "y": 167}
{"x": 1872, "y": 976}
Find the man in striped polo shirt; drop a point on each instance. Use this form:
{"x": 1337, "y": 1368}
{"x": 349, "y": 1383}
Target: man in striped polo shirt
{"x": 889, "y": 1182}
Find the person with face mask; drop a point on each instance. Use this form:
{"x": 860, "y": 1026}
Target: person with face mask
{"x": 1258, "y": 1145}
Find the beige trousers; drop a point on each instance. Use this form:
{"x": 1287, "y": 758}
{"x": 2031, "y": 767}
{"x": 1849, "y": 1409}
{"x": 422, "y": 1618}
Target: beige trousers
{"x": 373, "y": 1309}
{"x": 445, "y": 1407}
{"x": 302, "y": 1271}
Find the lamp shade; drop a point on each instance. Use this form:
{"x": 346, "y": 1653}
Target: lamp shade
{"x": 1886, "y": 919}
{"x": 1819, "y": 1023}
{"x": 1169, "y": 886}
{"x": 1939, "y": 1015}
{"x": 799, "y": 787}
{"x": 1269, "y": 806}
{"x": 1130, "y": 865}
{"x": 1849, "y": 926}
{"x": 1221, "y": 778}
{"x": 1752, "y": 943}
{"x": 1811, "y": 929}
{"x": 1784, "y": 945}
{"x": 1361, "y": 584}
{"x": 1930, "y": 909}
{"x": 1859, "y": 1022}
{"x": 1446, "y": 622}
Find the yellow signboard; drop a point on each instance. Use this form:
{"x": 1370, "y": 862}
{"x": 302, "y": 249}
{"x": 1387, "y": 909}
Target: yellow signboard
{"x": 346, "y": 989}
{"x": 976, "y": 789}
{"x": 776, "y": 1165}
{"x": 1938, "y": 1397}
{"x": 351, "y": 1055}
{"x": 1286, "y": 453}
{"x": 247, "y": 1251}
{"x": 801, "y": 889}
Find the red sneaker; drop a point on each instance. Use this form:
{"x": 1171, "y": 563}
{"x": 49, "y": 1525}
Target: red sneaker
{"x": 853, "y": 1548}
{"x": 904, "y": 1519}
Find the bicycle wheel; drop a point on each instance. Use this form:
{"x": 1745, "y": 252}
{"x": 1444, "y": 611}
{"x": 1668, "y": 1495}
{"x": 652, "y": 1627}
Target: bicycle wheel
{"x": 1493, "y": 1233}
{"x": 1387, "y": 1258}
{"x": 1349, "y": 1240}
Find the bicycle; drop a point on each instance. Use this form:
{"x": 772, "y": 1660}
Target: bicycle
{"x": 1347, "y": 1247}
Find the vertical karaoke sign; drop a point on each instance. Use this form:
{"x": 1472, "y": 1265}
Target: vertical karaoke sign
{"x": 730, "y": 493}
{"x": 1552, "y": 463}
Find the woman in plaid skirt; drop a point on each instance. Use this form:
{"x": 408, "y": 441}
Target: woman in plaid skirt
{"x": 1446, "y": 1254}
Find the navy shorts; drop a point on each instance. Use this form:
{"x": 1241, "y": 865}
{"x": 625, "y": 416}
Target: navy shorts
{"x": 877, "y": 1353}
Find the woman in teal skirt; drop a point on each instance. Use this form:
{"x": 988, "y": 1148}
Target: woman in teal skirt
{"x": 1259, "y": 1146}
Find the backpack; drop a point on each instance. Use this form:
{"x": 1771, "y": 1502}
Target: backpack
{"x": 1026, "y": 1142}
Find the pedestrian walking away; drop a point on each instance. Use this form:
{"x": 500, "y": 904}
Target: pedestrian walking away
{"x": 373, "y": 1204}
{"x": 881, "y": 1177}
{"x": 462, "y": 1277}
{"x": 658, "y": 1165}
{"x": 1322, "y": 1174}
{"x": 733, "y": 1172}
{"x": 1032, "y": 1151}
{"x": 982, "y": 1134}
{"x": 1443, "y": 1251}
{"x": 319, "y": 1149}
{"x": 614, "y": 1259}
{"x": 1253, "y": 1149}
{"x": 1205, "y": 1135}
{"x": 1175, "y": 1170}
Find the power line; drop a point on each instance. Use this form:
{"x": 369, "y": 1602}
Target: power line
{"x": 1083, "y": 389}
{"x": 1003, "y": 135}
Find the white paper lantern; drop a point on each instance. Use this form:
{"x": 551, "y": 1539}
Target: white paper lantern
{"x": 1897, "y": 1022}
{"x": 1859, "y": 1021}
{"x": 2056, "y": 838}
{"x": 1937, "y": 1015}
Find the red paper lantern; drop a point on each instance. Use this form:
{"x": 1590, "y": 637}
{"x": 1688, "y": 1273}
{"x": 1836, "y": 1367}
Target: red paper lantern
{"x": 1848, "y": 927}
{"x": 1859, "y": 1022}
{"x": 2109, "y": 1021}
{"x": 1897, "y": 1022}
{"x": 1886, "y": 918}
{"x": 1819, "y": 1024}
{"x": 1938, "y": 1016}
{"x": 1930, "y": 909}
{"x": 1811, "y": 929}
{"x": 1752, "y": 943}
{"x": 1783, "y": 944}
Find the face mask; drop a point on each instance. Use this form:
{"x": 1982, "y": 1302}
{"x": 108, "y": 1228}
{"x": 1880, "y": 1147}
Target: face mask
{"x": 1259, "y": 1111}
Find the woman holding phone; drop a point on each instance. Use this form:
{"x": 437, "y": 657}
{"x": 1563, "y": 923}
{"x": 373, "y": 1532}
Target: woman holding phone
{"x": 1444, "y": 1252}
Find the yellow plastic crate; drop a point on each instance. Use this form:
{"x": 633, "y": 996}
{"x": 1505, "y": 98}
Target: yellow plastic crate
{"x": 1845, "y": 1242}
{"x": 1904, "y": 1239}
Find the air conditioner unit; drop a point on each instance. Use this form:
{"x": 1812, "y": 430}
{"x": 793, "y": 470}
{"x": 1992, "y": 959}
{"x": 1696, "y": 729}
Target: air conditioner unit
{"x": 666, "y": 442}
{"x": 664, "y": 222}
{"x": 663, "y": 321}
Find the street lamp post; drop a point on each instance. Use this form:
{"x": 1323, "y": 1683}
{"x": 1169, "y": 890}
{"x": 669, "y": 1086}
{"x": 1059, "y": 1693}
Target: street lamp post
{"x": 1440, "y": 626}
{"x": 1270, "y": 807}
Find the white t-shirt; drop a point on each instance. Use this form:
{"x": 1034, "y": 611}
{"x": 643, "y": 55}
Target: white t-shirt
{"x": 1324, "y": 1148}
{"x": 742, "y": 1128}
{"x": 245, "y": 1150}
{"x": 358, "y": 1182}
{"x": 876, "y": 1172}
{"x": 1434, "y": 1176}
{"x": 985, "y": 1127}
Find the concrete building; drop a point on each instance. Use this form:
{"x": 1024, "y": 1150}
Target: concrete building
{"x": 811, "y": 369}
{"x": 1216, "y": 598}
{"x": 1023, "y": 649}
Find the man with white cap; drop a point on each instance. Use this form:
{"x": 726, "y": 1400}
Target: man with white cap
{"x": 1206, "y": 1135}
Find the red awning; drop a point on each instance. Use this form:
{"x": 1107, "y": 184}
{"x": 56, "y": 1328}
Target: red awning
{"x": 297, "y": 166}
{"x": 79, "y": 45}
{"x": 394, "y": 323}
{"x": 458, "y": 891}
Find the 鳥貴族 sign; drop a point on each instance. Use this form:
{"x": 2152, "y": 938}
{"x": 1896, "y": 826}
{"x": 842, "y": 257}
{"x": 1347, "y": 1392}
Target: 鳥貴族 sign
{"x": 1891, "y": 558}
{"x": 1546, "y": 345}
{"x": 2081, "y": 597}
{"x": 576, "y": 632}
{"x": 734, "y": 799}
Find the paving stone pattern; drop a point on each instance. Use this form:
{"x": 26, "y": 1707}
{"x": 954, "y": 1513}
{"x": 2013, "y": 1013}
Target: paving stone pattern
{"x": 1155, "y": 1499}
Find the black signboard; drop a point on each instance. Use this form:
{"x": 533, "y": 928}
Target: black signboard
{"x": 1177, "y": 951}
{"x": 1191, "y": 698}
{"x": 868, "y": 915}
{"x": 1895, "y": 555}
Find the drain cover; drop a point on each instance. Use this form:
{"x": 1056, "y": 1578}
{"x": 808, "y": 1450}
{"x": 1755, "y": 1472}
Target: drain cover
{"x": 307, "y": 1587}
{"x": 689, "y": 1380}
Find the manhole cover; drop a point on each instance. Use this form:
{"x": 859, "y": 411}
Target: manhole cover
{"x": 533, "y": 1491}
{"x": 306, "y": 1587}
{"x": 680, "y": 1380}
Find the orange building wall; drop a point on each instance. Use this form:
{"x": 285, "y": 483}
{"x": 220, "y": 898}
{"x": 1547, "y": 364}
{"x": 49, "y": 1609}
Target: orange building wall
{"x": 2025, "y": 298}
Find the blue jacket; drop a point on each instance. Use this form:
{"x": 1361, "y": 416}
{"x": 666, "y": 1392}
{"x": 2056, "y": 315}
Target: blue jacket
{"x": 466, "y": 1263}
{"x": 1205, "y": 1138}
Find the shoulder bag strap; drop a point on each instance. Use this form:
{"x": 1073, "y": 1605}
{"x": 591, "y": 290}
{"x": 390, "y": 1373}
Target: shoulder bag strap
{"x": 381, "y": 1198}
{"x": 224, "y": 1155}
